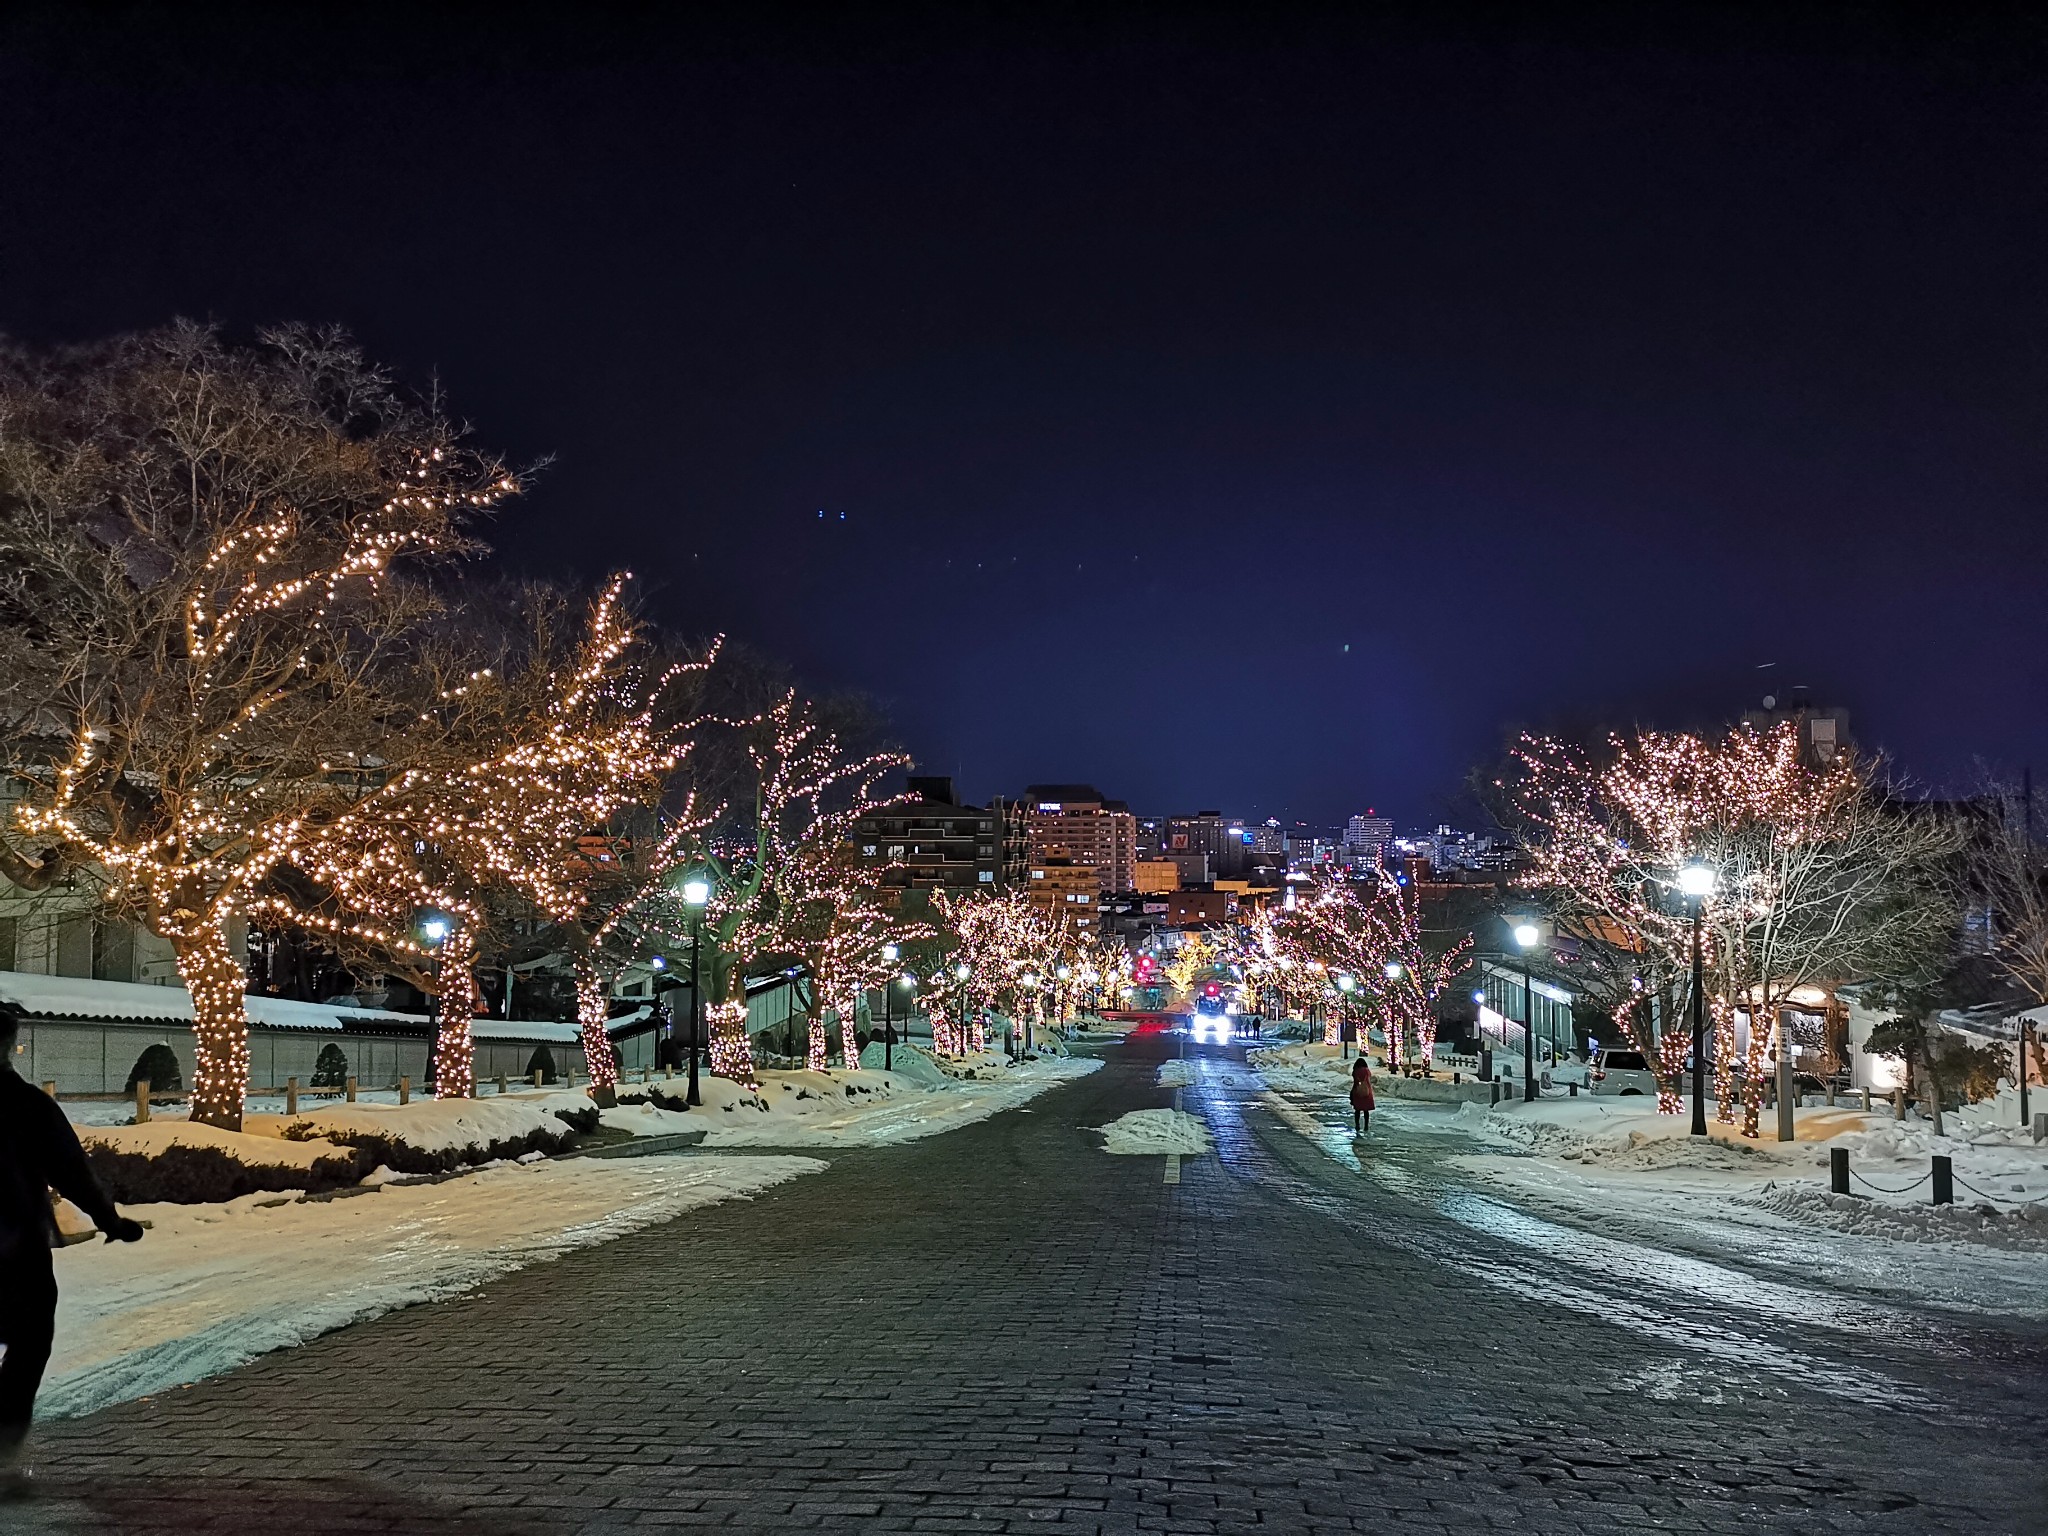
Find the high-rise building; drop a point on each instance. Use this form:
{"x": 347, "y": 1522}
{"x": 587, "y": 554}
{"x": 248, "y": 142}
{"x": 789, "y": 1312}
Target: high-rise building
{"x": 1269, "y": 837}
{"x": 1067, "y": 887}
{"x": 929, "y": 839}
{"x": 1074, "y": 821}
{"x": 1366, "y": 837}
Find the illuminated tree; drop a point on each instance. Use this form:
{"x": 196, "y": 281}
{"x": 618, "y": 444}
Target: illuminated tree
{"x": 1822, "y": 876}
{"x": 783, "y": 857}
{"x": 204, "y": 623}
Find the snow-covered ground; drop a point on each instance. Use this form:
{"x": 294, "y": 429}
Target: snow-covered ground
{"x": 1151, "y": 1132}
{"x": 1618, "y": 1163}
{"x": 210, "y": 1287}
{"x": 814, "y": 1109}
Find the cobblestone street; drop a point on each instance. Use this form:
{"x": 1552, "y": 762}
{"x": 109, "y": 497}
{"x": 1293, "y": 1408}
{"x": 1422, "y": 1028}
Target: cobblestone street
{"x": 1003, "y": 1328}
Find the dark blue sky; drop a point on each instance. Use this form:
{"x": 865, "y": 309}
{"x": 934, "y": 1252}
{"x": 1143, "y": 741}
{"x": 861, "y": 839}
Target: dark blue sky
{"x": 1264, "y": 413}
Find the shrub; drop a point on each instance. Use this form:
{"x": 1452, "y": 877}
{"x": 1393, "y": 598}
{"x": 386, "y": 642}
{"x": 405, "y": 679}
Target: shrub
{"x": 157, "y": 1066}
{"x": 582, "y": 1121}
{"x": 660, "y": 1095}
{"x": 330, "y": 1070}
{"x": 403, "y": 1157}
{"x": 185, "y": 1175}
{"x": 542, "y": 1061}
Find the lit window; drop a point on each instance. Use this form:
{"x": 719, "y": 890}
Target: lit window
{"x": 986, "y": 876}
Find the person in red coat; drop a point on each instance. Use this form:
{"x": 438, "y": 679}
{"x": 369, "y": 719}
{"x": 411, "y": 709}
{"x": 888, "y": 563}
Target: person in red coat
{"x": 1361, "y": 1096}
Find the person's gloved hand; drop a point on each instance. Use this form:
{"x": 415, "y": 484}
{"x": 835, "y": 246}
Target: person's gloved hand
{"x": 124, "y": 1230}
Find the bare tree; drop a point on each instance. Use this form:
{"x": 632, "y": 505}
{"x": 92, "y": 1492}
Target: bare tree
{"x": 205, "y": 622}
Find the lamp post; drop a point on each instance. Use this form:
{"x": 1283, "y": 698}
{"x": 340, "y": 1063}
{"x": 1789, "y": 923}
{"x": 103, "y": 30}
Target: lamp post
{"x": 1526, "y": 935}
{"x": 434, "y": 930}
{"x": 1697, "y": 881}
{"x": 1344, "y": 985}
{"x": 696, "y": 893}
{"x": 961, "y": 973}
{"x": 1392, "y": 970}
{"x": 889, "y": 953}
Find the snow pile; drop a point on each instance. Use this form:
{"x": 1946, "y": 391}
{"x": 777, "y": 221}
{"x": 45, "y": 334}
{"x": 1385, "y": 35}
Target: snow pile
{"x": 2022, "y": 1230}
{"x": 1998, "y": 1163}
{"x": 246, "y": 1147}
{"x": 912, "y": 1065}
{"x": 1150, "y": 1132}
{"x": 211, "y": 1287}
{"x": 806, "y": 1109}
{"x": 1178, "y": 1073}
{"x": 458, "y": 1126}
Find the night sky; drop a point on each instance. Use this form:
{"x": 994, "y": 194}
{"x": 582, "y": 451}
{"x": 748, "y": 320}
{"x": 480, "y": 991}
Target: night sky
{"x": 1266, "y": 414}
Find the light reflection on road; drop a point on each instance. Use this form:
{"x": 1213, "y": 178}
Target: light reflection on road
{"x": 1724, "y": 1313}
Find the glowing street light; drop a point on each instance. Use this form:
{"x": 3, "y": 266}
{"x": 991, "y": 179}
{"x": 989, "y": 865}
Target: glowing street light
{"x": 1527, "y": 935}
{"x": 696, "y": 896}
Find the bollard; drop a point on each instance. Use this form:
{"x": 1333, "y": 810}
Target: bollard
{"x": 537, "y": 1075}
{"x": 1838, "y": 1170}
{"x": 1944, "y": 1181}
{"x": 503, "y": 1086}
{"x": 1898, "y": 1103}
{"x": 291, "y": 1095}
{"x": 350, "y": 1088}
{"x": 405, "y": 1090}
{"x": 1831, "y": 1093}
{"x": 1574, "y": 1087}
{"x": 647, "y": 1074}
{"x": 1866, "y": 1098}
{"x": 2040, "y": 1126}
{"x": 142, "y": 1101}
{"x": 50, "y": 1087}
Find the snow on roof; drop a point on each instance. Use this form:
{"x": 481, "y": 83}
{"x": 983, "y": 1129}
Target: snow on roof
{"x": 75, "y": 997}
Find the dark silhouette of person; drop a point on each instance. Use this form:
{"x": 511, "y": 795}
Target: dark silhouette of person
{"x": 39, "y": 1152}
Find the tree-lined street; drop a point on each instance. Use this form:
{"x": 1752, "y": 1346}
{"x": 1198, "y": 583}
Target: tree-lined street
{"x": 1005, "y": 1329}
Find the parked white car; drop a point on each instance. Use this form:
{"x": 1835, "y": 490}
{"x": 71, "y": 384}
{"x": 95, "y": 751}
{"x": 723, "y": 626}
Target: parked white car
{"x": 1618, "y": 1074}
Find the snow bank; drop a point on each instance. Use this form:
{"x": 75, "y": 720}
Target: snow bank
{"x": 2022, "y": 1230}
{"x": 429, "y": 1125}
{"x": 211, "y": 1287}
{"x": 253, "y": 1149}
{"x": 1149, "y": 1132}
{"x": 885, "y": 1108}
{"x": 1178, "y": 1073}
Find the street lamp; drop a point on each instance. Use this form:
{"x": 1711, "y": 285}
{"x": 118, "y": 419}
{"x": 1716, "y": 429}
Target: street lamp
{"x": 1697, "y": 881}
{"x": 433, "y": 929}
{"x": 1526, "y": 935}
{"x": 1344, "y": 985}
{"x": 696, "y": 895}
{"x": 889, "y": 953}
{"x": 961, "y": 973}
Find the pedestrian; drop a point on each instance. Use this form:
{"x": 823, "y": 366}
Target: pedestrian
{"x": 1361, "y": 1096}
{"x": 39, "y": 1152}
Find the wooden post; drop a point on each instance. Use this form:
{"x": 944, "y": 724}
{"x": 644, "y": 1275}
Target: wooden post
{"x": 1898, "y": 1103}
{"x": 537, "y": 1075}
{"x": 350, "y": 1086}
{"x": 291, "y": 1095}
{"x": 1866, "y": 1098}
{"x": 50, "y": 1087}
{"x": 1838, "y": 1170}
{"x": 502, "y": 1085}
{"x": 142, "y": 1101}
{"x": 405, "y": 1090}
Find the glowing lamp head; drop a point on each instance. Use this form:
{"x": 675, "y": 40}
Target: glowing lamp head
{"x": 1697, "y": 881}
{"x": 1526, "y": 935}
{"x": 890, "y": 952}
{"x": 696, "y": 892}
{"x": 960, "y": 970}
{"x": 1064, "y": 972}
{"x": 909, "y": 981}
{"x": 434, "y": 929}
{"x": 1478, "y": 997}
{"x": 1393, "y": 970}
{"x": 658, "y": 963}
{"x": 1345, "y": 983}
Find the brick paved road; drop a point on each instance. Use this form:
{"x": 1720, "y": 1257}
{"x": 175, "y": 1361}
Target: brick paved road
{"x": 1003, "y": 1328}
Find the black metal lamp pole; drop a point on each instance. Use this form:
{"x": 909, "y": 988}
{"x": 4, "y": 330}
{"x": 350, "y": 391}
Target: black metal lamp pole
{"x": 1699, "y": 1027}
{"x": 1528, "y": 1032}
{"x": 696, "y": 999}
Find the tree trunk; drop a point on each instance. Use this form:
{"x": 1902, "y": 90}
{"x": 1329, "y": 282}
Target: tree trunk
{"x": 593, "y": 1013}
{"x": 814, "y": 1053}
{"x": 454, "y": 1051}
{"x": 849, "y": 1046}
{"x": 732, "y": 1052}
{"x": 220, "y": 1024}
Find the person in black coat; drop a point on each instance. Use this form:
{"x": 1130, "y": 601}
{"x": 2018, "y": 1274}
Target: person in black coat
{"x": 39, "y": 1152}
